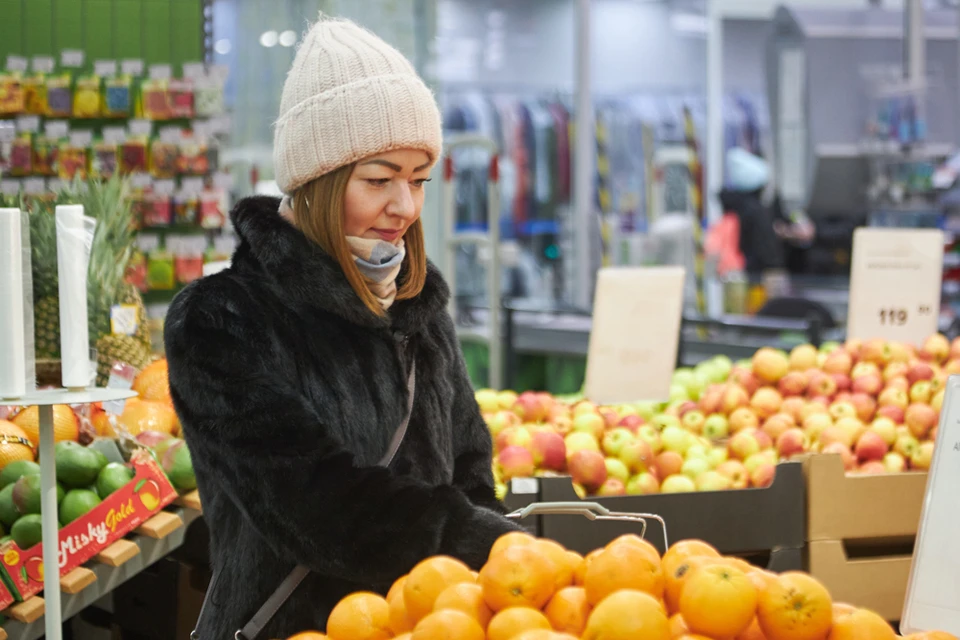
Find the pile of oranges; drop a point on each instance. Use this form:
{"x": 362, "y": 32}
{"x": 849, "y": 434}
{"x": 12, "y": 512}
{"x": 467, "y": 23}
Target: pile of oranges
{"x": 534, "y": 589}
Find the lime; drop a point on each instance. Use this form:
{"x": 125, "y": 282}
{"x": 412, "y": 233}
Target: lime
{"x": 8, "y": 511}
{"x": 179, "y": 469}
{"x": 26, "y": 494}
{"x": 27, "y": 531}
{"x": 78, "y": 466}
{"x": 76, "y": 504}
{"x": 16, "y": 470}
{"x": 113, "y": 477}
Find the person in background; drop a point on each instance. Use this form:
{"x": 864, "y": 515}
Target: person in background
{"x": 319, "y": 380}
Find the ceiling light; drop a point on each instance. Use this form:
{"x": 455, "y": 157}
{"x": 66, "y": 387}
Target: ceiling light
{"x": 268, "y": 38}
{"x": 222, "y": 46}
{"x": 288, "y": 38}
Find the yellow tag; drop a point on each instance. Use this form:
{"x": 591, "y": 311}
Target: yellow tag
{"x": 11, "y": 558}
{"x": 123, "y": 319}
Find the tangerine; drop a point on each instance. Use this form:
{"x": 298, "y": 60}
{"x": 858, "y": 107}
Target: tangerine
{"x": 718, "y": 600}
{"x": 515, "y": 620}
{"x": 568, "y": 610}
{"x": 543, "y": 634}
{"x": 677, "y": 578}
{"x": 861, "y": 624}
{"x": 564, "y": 573}
{"x": 795, "y": 607}
{"x": 512, "y": 539}
{"x": 581, "y": 571}
{"x": 626, "y": 615}
{"x": 449, "y": 623}
{"x": 519, "y": 576}
{"x": 680, "y": 551}
{"x": 427, "y": 580}
{"x": 360, "y": 616}
{"x": 399, "y": 620}
{"x": 623, "y": 566}
{"x": 637, "y": 542}
{"x": 466, "y": 597}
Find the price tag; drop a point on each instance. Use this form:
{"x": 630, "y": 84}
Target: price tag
{"x": 193, "y": 70}
{"x": 16, "y": 63}
{"x": 43, "y": 64}
{"x": 56, "y": 128}
{"x": 54, "y": 185}
{"x": 81, "y": 139}
{"x": 219, "y": 72}
{"x": 140, "y": 180}
{"x": 9, "y": 187}
{"x": 123, "y": 319}
{"x": 524, "y": 486}
{"x": 114, "y": 135}
{"x": 71, "y": 58}
{"x": 160, "y": 72}
{"x": 192, "y": 185}
{"x": 895, "y": 277}
{"x": 33, "y": 186}
{"x": 140, "y": 127}
{"x": 933, "y": 591}
{"x": 105, "y": 68}
{"x": 164, "y": 187}
{"x": 132, "y": 67}
{"x": 8, "y": 131}
{"x": 223, "y": 180}
{"x": 29, "y": 124}
{"x": 633, "y": 352}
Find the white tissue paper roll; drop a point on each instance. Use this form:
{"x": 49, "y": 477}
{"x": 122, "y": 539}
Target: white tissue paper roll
{"x": 13, "y": 382}
{"x": 73, "y": 251}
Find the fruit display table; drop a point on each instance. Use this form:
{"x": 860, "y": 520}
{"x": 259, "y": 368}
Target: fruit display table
{"x": 111, "y": 568}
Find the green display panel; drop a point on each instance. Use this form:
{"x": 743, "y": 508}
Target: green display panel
{"x": 157, "y": 31}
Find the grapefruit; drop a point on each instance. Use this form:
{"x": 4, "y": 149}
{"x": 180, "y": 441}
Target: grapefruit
{"x": 65, "y": 424}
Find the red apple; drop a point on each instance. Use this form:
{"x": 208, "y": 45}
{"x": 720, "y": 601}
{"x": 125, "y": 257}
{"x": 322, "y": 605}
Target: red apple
{"x": 562, "y": 425}
{"x": 936, "y": 348}
{"x": 763, "y": 476}
{"x": 821, "y": 384}
{"x": 549, "y": 451}
{"x": 591, "y": 423}
{"x": 612, "y": 487}
{"x": 876, "y": 351}
{"x": 588, "y": 468}
{"x": 868, "y": 383}
{"x": 895, "y": 413}
{"x": 776, "y": 424}
{"x": 893, "y": 397}
{"x": 920, "y": 419}
{"x": 711, "y": 400}
{"x": 865, "y": 405}
{"x": 745, "y": 378}
{"x": 515, "y": 462}
{"x": 895, "y": 370}
{"x": 834, "y": 434}
{"x": 743, "y": 444}
{"x": 793, "y": 407}
{"x": 849, "y": 460}
{"x": 952, "y": 367}
{"x": 839, "y": 362}
{"x": 734, "y": 469}
{"x": 919, "y": 370}
{"x": 668, "y": 463}
{"x": 734, "y": 397}
{"x": 870, "y": 446}
{"x": 840, "y": 409}
{"x": 872, "y": 467}
{"x": 885, "y": 428}
{"x": 765, "y": 402}
{"x": 793, "y": 384}
{"x": 516, "y": 436}
{"x": 530, "y": 407}
{"x": 770, "y": 365}
{"x": 791, "y": 442}
{"x": 743, "y": 418}
{"x": 955, "y": 349}
{"x": 842, "y": 396}
{"x": 864, "y": 369}
{"x": 922, "y": 458}
{"x": 610, "y": 417}
{"x": 631, "y": 422}
{"x": 643, "y": 484}
{"x": 844, "y": 383}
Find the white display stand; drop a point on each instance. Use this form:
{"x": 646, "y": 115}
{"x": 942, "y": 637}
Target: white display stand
{"x": 933, "y": 590}
{"x": 44, "y": 401}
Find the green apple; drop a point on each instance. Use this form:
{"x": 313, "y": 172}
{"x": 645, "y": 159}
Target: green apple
{"x": 678, "y": 393}
{"x": 643, "y": 484}
{"x": 693, "y": 421}
{"x": 678, "y": 483}
{"x": 693, "y": 467}
{"x": 617, "y": 469}
{"x": 663, "y": 420}
{"x": 615, "y": 439}
{"x": 717, "y": 456}
{"x": 675, "y": 438}
{"x": 715, "y": 426}
{"x": 696, "y": 450}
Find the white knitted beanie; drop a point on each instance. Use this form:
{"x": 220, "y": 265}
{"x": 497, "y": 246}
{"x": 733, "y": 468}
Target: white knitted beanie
{"x": 349, "y": 95}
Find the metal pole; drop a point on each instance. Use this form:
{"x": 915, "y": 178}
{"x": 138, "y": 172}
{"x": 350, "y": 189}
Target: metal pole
{"x": 494, "y": 287}
{"x": 49, "y": 526}
{"x": 583, "y": 212}
{"x": 914, "y": 45}
{"x": 714, "y": 163}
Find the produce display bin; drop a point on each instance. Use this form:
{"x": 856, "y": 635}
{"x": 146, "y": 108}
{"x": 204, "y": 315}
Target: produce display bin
{"x": 860, "y": 532}
{"x": 523, "y": 492}
{"x": 82, "y": 539}
{"x": 764, "y": 523}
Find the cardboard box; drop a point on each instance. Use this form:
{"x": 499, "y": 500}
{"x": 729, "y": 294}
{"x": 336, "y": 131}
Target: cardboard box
{"x": 855, "y": 507}
{"x": 82, "y": 539}
{"x": 737, "y": 522}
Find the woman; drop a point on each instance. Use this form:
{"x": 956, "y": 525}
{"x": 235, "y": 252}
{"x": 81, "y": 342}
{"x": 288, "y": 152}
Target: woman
{"x": 292, "y": 370}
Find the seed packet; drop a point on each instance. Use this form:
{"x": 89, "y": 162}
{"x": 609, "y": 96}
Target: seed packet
{"x": 163, "y": 159}
{"x": 46, "y": 155}
{"x": 180, "y": 98}
{"x": 117, "y": 100}
{"x": 155, "y": 101}
{"x": 21, "y": 155}
{"x": 193, "y": 159}
{"x": 186, "y": 206}
{"x": 136, "y": 273}
{"x": 208, "y": 97}
{"x": 74, "y": 161}
{"x": 158, "y": 210}
{"x": 35, "y": 94}
{"x": 211, "y": 213}
{"x": 59, "y": 96}
{"x": 11, "y": 94}
{"x": 188, "y": 258}
{"x": 133, "y": 155}
{"x": 160, "y": 273}
{"x": 103, "y": 159}
{"x": 86, "y": 97}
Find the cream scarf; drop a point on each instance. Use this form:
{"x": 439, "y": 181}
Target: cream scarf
{"x": 379, "y": 261}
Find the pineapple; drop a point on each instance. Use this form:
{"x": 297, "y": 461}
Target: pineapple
{"x": 113, "y": 348}
{"x": 46, "y": 317}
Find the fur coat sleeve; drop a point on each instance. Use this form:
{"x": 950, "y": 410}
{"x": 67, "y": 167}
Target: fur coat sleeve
{"x": 301, "y": 490}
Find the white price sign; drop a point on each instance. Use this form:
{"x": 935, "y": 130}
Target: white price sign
{"x": 933, "y": 590}
{"x": 132, "y": 67}
{"x": 16, "y": 63}
{"x": 43, "y": 64}
{"x": 895, "y": 282}
{"x": 105, "y": 68}
{"x": 635, "y": 332}
{"x": 72, "y": 58}
{"x": 160, "y": 72}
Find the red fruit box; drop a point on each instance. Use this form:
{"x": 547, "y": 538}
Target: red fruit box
{"x": 122, "y": 512}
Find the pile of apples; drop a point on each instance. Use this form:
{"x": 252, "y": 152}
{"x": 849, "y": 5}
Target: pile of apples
{"x": 876, "y": 403}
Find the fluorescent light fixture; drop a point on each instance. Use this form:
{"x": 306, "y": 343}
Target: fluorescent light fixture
{"x": 288, "y": 38}
{"x": 222, "y": 46}
{"x": 689, "y": 23}
{"x": 269, "y": 38}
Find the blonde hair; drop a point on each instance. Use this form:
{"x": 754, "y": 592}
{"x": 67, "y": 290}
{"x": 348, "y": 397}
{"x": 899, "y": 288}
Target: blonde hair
{"x": 318, "y": 213}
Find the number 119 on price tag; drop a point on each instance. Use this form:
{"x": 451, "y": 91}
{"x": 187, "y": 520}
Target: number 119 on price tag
{"x": 895, "y": 284}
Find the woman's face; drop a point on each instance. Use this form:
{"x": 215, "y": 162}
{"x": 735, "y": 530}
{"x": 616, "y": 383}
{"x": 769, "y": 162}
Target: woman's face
{"x": 385, "y": 194}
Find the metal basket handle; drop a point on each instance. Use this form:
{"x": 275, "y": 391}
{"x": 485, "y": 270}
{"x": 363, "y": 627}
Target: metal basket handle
{"x": 591, "y": 511}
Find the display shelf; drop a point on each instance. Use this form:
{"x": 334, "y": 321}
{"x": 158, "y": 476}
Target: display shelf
{"x": 113, "y": 567}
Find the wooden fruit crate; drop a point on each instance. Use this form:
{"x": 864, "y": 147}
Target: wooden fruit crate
{"x": 860, "y": 532}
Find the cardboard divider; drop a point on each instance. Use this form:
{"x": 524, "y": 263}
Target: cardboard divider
{"x": 878, "y": 583}
{"x": 737, "y": 522}
{"x": 118, "y": 553}
{"x": 77, "y": 580}
{"x": 190, "y": 500}
{"x": 842, "y": 507}
{"x": 160, "y": 525}
{"x": 122, "y": 512}
{"x": 27, "y": 611}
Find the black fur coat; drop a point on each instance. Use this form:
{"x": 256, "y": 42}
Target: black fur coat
{"x": 289, "y": 390}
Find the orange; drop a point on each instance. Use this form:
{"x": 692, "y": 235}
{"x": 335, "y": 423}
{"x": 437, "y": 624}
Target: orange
{"x": 693, "y": 636}
{"x": 65, "y": 424}
{"x": 308, "y": 635}
{"x": 753, "y": 632}
{"x": 144, "y": 415}
{"x": 628, "y": 615}
{"x": 466, "y": 597}
{"x": 761, "y": 578}
{"x": 399, "y": 621}
{"x": 637, "y": 542}
{"x": 152, "y": 383}
{"x": 564, "y": 572}
{"x": 622, "y": 566}
{"x": 718, "y": 600}
{"x": 568, "y": 610}
{"x": 684, "y": 549}
{"x": 931, "y": 635}
{"x": 861, "y": 624}
{"x": 678, "y": 576}
{"x": 403, "y": 636}
{"x": 519, "y": 576}
{"x": 512, "y": 539}
{"x": 515, "y": 620}
{"x": 14, "y": 444}
{"x": 581, "y": 571}
{"x": 678, "y": 626}
{"x": 360, "y": 616}
{"x": 427, "y": 580}
{"x": 543, "y": 634}
{"x": 441, "y": 625}
{"x": 842, "y": 609}
{"x": 795, "y": 607}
